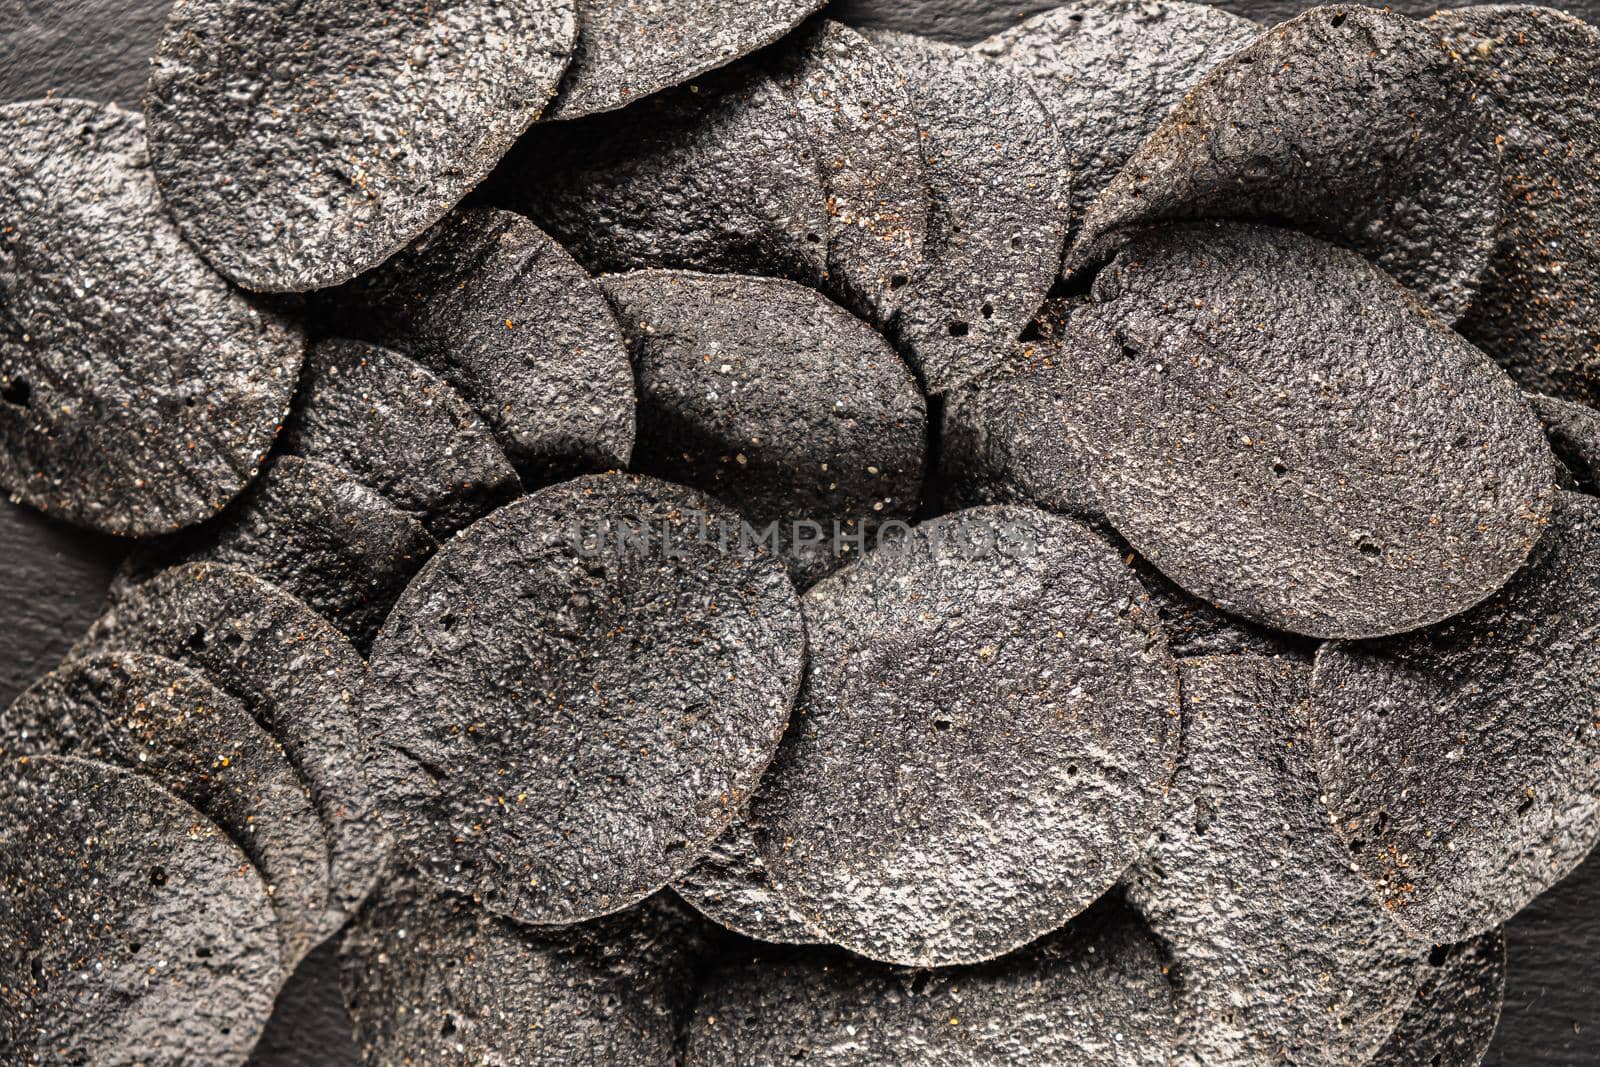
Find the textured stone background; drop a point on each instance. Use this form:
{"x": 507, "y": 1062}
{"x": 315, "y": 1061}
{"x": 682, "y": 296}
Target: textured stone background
{"x": 52, "y": 578}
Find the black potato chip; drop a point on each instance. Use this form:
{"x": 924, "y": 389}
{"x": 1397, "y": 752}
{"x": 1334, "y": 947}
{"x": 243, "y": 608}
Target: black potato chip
{"x": 956, "y": 21}
{"x": 138, "y": 390}
{"x": 300, "y": 678}
{"x": 135, "y": 932}
{"x": 1453, "y": 1019}
{"x": 1537, "y": 310}
{"x": 627, "y": 50}
{"x": 163, "y": 720}
{"x": 298, "y": 144}
{"x": 398, "y": 429}
{"x": 1108, "y": 71}
{"x": 574, "y": 698}
{"x": 987, "y": 725}
{"x": 1279, "y": 951}
{"x": 856, "y": 108}
{"x": 717, "y": 175}
{"x": 1349, "y": 122}
{"x": 1288, "y": 434}
{"x": 1463, "y": 762}
{"x": 496, "y": 308}
{"x": 731, "y": 887}
{"x": 429, "y": 977}
{"x": 779, "y": 403}
{"x": 997, "y": 173}
{"x": 1093, "y": 994}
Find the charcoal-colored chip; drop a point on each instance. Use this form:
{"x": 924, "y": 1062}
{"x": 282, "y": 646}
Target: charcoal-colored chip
{"x": 1280, "y": 953}
{"x": 134, "y": 930}
{"x": 941, "y": 799}
{"x": 309, "y": 1024}
{"x": 166, "y": 721}
{"x": 1453, "y": 1019}
{"x": 1573, "y": 431}
{"x": 1001, "y": 440}
{"x": 496, "y": 308}
{"x": 299, "y": 144}
{"x": 400, "y": 430}
{"x": 1093, "y": 994}
{"x": 315, "y": 532}
{"x": 781, "y": 404}
{"x": 730, "y": 885}
{"x": 856, "y": 108}
{"x": 1463, "y": 761}
{"x": 299, "y": 677}
{"x": 997, "y": 173}
{"x": 138, "y": 390}
{"x": 574, "y": 698}
{"x": 1288, "y": 434}
{"x": 1348, "y": 122}
{"x": 718, "y": 175}
{"x": 1108, "y": 71}
{"x": 430, "y": 977}
{"x": 627, "y": 50}
{"x": 1537, "y": 311}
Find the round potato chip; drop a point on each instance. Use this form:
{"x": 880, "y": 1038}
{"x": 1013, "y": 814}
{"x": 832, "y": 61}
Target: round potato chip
{"x": 400, "y": 430}
{"x": 940, "y": 798}
{"x": 1349, "y": 122}
{"x": 800, "y": 418}
{"x": 167, "y": 722}
{"x": 1463, "y": 762}
{"x": 1093, "y": 994}
{"x": 718, "y": 175}
{"x": 1279, "y": 951}
{"x": 626, "y": 51}
{"x": 1453, "y": 1019}
{"x": 856, "y": 108}
{"x": 138, "y": 390}
{"x": 1288, "y": 434}
{"x": 431, "y": 977}
{"x": 299, "y": 144}
{"x": 494, "y": 307}
{"x": 1108, "y": 71}
{"x": 573, "y": 699}
{"x": 997, "y": 174}
{"x": 134, "y": 930}
{"x": 1536, "y": 311}
{"x": 297, "y": 675}
{"x": 731, "y": 887}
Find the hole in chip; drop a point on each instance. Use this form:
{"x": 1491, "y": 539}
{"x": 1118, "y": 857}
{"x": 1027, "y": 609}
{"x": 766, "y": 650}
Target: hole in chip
{"x": 988, "y": 311}
{"x": 1338, "y": 20}
{"x": 959, "y": 329}
{"x": 158, "y": 876}
{"x": 1438, "y": 956}
{"x": 17, "y": 392}
{"x": 898, "y": 281}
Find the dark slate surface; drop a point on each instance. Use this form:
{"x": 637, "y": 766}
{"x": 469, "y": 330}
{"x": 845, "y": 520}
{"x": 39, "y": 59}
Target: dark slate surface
{"x": 966, "y": 21}
{"x": 52, "y": 579}
{"x": 52, "y": 582}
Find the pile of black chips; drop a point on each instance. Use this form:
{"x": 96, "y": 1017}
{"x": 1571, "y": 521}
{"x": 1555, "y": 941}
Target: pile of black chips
{"x": 1078, "y": 549}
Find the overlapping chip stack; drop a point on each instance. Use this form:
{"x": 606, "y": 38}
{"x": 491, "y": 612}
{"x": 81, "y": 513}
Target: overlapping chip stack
{"x": 695, "y": 534}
